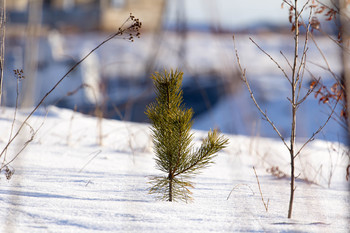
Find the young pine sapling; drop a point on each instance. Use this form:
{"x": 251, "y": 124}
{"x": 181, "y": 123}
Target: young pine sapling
{"x": 172, "y": 138}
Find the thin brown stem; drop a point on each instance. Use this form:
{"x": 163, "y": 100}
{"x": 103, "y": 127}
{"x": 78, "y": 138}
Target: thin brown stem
{"x": 302, "y": 64}
{"x": 262, "y": 198}
{"x": 14, "y": 119}
{"x": 303, "y": 8}
{"x": 120, "y": 32}
{"x": 328, "y": 68}
{"x": 308, "y": 93}
{"x": 272, "y": 59}
{"x": 288, "y": 3}
{"x": 245, "y": 80}
{"x": 320, "y": 128}
{"x": 285, "y": 58}
{"x": 236, "y": 186}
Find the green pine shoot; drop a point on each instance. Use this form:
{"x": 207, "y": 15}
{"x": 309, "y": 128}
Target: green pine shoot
{"x": 172, "y": 139}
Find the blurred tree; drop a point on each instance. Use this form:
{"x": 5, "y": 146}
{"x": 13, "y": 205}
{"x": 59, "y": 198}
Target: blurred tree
{"x": 2, "y": 42}
{"x": 345, "y": 22}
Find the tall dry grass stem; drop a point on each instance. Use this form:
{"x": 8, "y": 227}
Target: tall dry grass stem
{"x": 266, "y": 204}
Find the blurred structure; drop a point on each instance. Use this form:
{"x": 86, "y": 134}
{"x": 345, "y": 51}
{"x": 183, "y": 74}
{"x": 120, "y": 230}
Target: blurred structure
{"x": 114, "y": 12}
{"x": 2, "y": 43}
{"x": 345, "y": 21}
{"x": 82, "y": 15}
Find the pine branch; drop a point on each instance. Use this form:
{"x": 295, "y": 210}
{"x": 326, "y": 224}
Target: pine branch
{"x": 203, "y": 156}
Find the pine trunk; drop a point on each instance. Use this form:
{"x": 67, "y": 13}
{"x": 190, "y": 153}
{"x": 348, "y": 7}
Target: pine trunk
{"x": 170, "y": 189}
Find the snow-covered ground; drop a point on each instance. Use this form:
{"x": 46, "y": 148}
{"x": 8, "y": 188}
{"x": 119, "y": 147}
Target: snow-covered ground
{"x": 65, "y": 182}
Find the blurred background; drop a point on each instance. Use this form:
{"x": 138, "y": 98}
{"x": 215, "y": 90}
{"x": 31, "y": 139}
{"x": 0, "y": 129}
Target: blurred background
{"x": 45, "y": 38}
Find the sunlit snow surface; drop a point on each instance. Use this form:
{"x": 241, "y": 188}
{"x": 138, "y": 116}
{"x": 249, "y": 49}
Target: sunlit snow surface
{"x": 65, "y": 182}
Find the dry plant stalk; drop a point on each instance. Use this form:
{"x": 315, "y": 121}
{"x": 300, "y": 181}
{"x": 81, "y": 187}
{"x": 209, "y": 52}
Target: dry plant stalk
{"x": 70, "y": 126}
{"x": 98, "y": 111}
{"x": 19, "y": 76}
{"x": 131, "y": 31}
{"x": 131, "y": 135}
{"x": 297, "y": 69}
{"x": 236, "y": 186}
{"x": 266, "y": 205}
{"x": 95, "y": 154}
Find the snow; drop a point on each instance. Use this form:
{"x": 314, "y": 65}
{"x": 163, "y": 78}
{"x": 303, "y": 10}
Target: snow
{"x": 66, "y": 182}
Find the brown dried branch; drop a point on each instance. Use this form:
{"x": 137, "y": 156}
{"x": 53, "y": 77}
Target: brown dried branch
{"x": 320, "y": 128}
{"x": 33, "y": 133}
{"x": 237, "y": 187}
{"x": 132, "y": 29}
{"x": 288, "y": 3}
{"x": 328, "y": 68}
{"x": 303, "y": 8}
{"x": 262, "y": 198}
{"x": 302, "y": 64}
{"x": 272, "y": 59}
{"x": 285, "y": 58}
{"x": 309, "y": 92}
{"x": 245, "y": 80}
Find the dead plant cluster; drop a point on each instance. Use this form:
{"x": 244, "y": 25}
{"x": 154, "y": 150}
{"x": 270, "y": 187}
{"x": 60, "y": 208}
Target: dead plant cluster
{"x": 276, "y": 172}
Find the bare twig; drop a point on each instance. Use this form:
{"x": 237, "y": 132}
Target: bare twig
{"x": 308, "y": 93}
{"x": 14, "y": 117}
{"x": 285, "y": 58}
{"x": 303, "y": 8}
{"x": 245, "y": 80}
{"x": 299, "y": 79}
{"x": 328, "y": 68}
{"x": 320, "y": 128}
{"x": 236, "y": 186}
{"x": 272, "y": 59}
{"x": 96, "y": 153}
{"x": 33, "y": 133}
{"x": 262, "y": 198}
{"x": 288, "y": 3}
{"x": 136, "y": 25}
{"x": 335, "y": 76}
